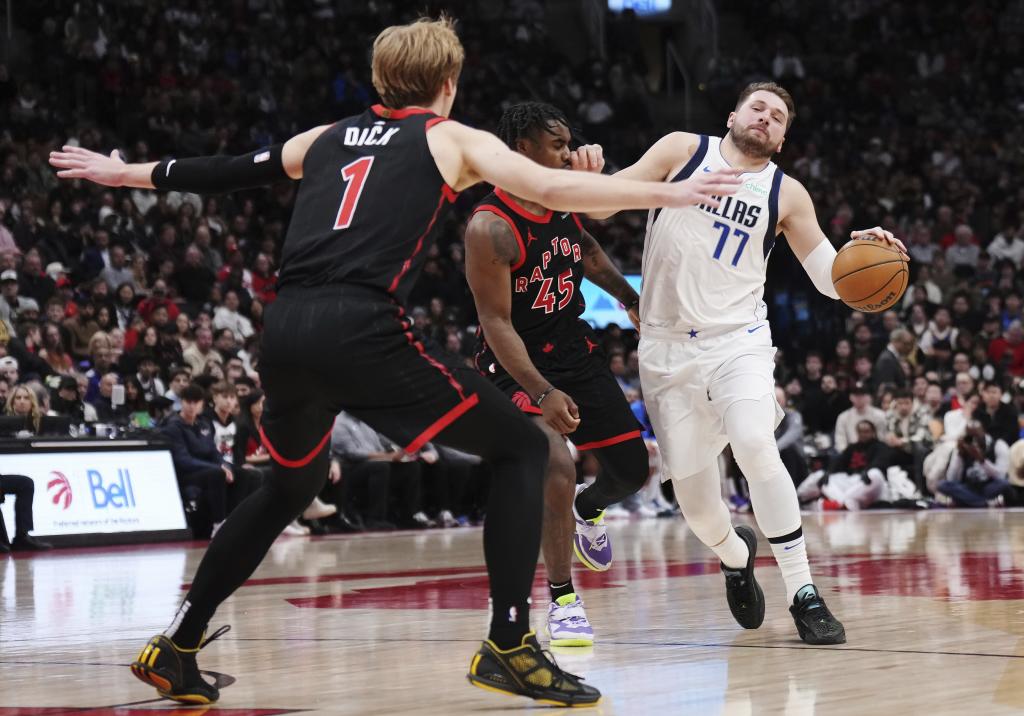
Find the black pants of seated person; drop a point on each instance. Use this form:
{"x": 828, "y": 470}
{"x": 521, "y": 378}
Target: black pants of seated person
{"x": 214, "y": 486}
{"x": 444, "y": 484}
{"x": 23, "y": 490}
{"x": 406, "y": 485}
{"x": 363, "y": 491}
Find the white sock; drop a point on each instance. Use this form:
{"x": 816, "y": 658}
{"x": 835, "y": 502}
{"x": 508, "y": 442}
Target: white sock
{"x": 792, "y": 558}
{"x": 733, "y": 551}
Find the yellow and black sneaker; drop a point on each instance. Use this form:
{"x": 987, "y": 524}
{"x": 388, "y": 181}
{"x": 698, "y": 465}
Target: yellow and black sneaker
{"x": 174, "y": 672}
{"x": 529, "y": 671}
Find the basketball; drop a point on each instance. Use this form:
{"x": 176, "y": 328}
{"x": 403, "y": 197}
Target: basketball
{"x": 870, "y": 275}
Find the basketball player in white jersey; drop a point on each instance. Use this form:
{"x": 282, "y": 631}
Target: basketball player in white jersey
{"x": 706, "y": 354}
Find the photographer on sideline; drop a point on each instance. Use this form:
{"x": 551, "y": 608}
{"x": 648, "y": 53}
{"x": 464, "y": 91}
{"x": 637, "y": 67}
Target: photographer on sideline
{"x": 976, "y": 476}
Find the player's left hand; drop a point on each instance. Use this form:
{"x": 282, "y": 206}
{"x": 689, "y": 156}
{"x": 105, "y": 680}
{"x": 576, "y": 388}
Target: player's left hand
{"x": 588, "y": 158}
{"x": 880, "y": 234}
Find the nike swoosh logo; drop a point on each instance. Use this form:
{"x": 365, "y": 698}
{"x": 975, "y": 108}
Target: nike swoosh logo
{"x": 566, "y": 214}
{"x": 169, "y": 165}
{"x": 793, "y": 546}
{"x": 755, "y": 328}
{"x": 707, "y": 169}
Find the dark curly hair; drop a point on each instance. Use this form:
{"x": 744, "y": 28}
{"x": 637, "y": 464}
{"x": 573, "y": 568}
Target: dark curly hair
{"x": 525, "y": 119}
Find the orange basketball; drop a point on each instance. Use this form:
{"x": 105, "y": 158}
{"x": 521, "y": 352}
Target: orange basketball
{"x": 870, "y": 275}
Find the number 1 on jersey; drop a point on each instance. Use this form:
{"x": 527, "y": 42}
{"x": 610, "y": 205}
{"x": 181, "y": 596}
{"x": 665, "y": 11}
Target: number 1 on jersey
{"x": 355, "y": 175}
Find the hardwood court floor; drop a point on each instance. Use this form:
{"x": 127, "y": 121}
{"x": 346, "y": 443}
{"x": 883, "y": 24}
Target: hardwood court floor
{"x": 386, "y": 624}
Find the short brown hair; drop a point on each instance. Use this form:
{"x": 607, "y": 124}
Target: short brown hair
{"x": 411, "y": 62}
{"x": 774, "y": 89}
{"x": 223, "y": 388}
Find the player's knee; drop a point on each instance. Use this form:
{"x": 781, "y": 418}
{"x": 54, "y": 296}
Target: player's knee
{"x": 523, "y": 442}
{"x": 756, "y": 453}
{"x": 627, "y": 464}
{"x": 561, "y": 468}
{"x": 295, "y": 489}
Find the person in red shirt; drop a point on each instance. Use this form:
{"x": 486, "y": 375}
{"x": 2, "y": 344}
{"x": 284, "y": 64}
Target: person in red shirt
{"x": 264, "y": 279}
{"x": 1008, "y": 350}
{"x": 158, "y": 298}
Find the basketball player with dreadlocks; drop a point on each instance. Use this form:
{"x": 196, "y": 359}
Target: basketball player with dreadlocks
{"x": 525, "y": 263}
{"x": 337, "y": 337}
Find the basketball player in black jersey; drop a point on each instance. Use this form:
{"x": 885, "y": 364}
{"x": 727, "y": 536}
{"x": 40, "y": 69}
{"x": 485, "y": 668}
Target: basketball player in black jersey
{"x": 525, "y": 264}
{"x": 337, "y": 338}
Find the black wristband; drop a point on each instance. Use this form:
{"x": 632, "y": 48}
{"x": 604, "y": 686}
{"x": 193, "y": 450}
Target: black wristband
{"x": 220, "y": 174}
{"x": 540, "y": 398}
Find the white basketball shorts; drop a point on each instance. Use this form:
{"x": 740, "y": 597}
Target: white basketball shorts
{"x": 690, "y": 383}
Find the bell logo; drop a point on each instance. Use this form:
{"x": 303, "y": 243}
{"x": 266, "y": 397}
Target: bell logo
{"x": 117, "y": 493}
{"x": 62, "y": 496}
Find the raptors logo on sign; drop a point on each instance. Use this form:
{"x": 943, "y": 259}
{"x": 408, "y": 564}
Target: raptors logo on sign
{"x": 62, "y": 495}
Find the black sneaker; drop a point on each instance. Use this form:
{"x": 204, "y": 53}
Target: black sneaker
{"x": 528, "y": 671}
{"x": 28, "y": 543}
{"x": 814, "y": 622}
{"x": 746, "y": 600}
{"x": 174, "y": 672}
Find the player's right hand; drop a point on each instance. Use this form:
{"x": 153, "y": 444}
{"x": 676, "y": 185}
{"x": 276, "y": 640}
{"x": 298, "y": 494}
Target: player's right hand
{"x": 80, "y": 163}
{"x": 707, "y": 188}
{"x": 560, "y": 412}
{"x": 587, "y": 158}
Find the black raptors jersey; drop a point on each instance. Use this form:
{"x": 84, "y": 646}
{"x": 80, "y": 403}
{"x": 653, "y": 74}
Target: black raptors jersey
{"x": 368, "y": 205}
{"x": 546, "y": 297}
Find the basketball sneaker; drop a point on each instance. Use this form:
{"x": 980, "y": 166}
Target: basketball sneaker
{"x": 746, "y": 600}
{"x": 590, "y": 543}
{"x": 568, "y": 624}
{"x": 173, "y": 670}
{"x": 814, "y": 622}
{"x": 527, "y": 670}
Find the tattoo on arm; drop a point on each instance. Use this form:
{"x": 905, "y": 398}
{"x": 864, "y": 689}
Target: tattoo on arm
{"x": 503, "y": 241}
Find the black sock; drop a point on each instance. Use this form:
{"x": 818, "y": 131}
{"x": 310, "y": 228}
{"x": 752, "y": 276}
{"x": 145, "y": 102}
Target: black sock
{"x": 185, "y": 632}
{"x": 585, "y": 508}
{"x": 509, "y": 624}
{"x": 624, "y": 469}
{"x": 560, "y": 590}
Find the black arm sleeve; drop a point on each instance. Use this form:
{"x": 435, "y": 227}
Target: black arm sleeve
{"x": 221, "y": 174}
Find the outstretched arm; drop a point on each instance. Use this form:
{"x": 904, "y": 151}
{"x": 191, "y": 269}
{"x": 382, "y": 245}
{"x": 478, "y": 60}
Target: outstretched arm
{"x": 466, "y": 156}
{"x": 798, "y": 221}
{"x": 602, "y": 272}
{"x": 201, "y": 175}
{"x": 491, "y": 251}
{"x": 657, "y": 163}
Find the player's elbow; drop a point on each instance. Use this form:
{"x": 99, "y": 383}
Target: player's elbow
{"x": 555, "y": 191}
{"x": 495, "y": 322}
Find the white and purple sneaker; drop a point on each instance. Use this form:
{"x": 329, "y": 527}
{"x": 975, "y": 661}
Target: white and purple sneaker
{"x": 590, "y": 543}
{"x": 567, "y": 623}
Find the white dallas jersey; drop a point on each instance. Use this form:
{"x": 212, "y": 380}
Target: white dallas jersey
{"x": 705, "y": 268}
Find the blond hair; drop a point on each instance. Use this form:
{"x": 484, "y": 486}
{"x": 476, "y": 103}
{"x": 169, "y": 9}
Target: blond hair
{"x": 775, "y": 89}
{"x": 35, "y": 414}
{"x": 411, "y": 62}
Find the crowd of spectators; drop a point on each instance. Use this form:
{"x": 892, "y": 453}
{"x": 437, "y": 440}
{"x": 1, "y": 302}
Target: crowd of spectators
{"x": 116, "y": 306}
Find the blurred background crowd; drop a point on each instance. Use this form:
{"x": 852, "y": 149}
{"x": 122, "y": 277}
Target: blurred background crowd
{"x": 128, "y": 310}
